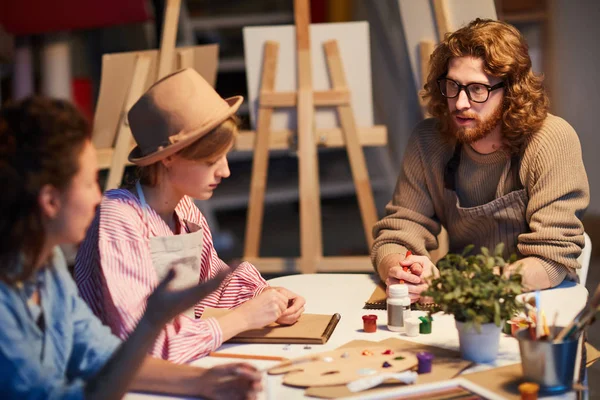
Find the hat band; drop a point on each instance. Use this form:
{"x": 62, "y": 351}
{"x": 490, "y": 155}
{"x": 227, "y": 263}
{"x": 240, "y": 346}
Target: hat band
{"x": 173, "y": 139}
{"x": 154, "y": 148}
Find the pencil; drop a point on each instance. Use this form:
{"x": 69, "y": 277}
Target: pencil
{"x": 405, "y": 269}
{"x": 248, "y": 356}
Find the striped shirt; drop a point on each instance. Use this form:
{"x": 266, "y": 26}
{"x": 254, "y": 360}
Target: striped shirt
{"x": 115, "y": 275}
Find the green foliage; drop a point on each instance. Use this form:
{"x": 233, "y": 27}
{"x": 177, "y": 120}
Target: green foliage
{"x": 473, "y": 288}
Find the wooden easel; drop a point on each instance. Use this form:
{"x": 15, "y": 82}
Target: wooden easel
{"x": 144, "y": 68}
{"x": 426, "y": 47}
{"x": 305, "y": 99}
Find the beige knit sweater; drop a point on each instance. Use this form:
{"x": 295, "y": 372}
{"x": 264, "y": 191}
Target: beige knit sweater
{"x": 551, "y": 172}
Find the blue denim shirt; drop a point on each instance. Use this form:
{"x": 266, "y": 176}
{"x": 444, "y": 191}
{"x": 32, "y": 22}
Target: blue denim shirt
{"x": 53, "y": 362}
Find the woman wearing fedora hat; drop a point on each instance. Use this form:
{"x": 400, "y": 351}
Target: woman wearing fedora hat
{"x": 51, "y": 345}
{"x": 183, "y": 130}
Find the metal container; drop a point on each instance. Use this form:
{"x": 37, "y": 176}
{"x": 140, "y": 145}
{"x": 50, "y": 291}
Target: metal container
{"x": 551, "y": 365}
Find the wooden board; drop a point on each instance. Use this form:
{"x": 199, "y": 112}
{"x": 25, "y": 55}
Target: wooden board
{"x": 117, "y": 73}
{"x": 343, "y": 366}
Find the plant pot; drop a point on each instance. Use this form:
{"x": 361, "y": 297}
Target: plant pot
{"x": 479, "y": 347}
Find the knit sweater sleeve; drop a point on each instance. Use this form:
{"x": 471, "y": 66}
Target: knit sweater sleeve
{"x": 410, "y": 221}
{"x": 558, "y": 192}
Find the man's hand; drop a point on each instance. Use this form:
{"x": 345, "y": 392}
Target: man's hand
{"x": 419, "y": 268}
{"x": 295, "y": 307}
{"x": 534, "y": 275}
{"x": 231, "y": 381}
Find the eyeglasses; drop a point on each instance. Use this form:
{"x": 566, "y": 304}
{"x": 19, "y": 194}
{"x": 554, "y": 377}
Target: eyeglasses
{"x": 476, "y": 92}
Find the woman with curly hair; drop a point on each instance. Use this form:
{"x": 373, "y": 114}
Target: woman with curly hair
{"x": 491, "y": 165}
{"x": 51, "y": 344}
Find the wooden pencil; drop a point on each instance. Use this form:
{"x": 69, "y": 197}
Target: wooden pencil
{"x": 248, "y": 356}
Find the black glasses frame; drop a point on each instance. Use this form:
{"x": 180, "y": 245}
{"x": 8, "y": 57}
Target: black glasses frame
{"x": 466, "y": 89}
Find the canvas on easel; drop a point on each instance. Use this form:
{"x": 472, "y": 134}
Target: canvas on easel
{"x": 126, "y": 76}
{"x": 322, "y": 79}
{"x": 426, "y": 22}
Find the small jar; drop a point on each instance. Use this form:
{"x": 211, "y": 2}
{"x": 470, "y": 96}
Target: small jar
{"x": 398, "y": 307}
{"x": 370, "y": 323}
{"x": 411, "y": 326}
{"x": 425, "y": 360}
{"x": 425, "y": 327}
{"x": 529, "y": 390}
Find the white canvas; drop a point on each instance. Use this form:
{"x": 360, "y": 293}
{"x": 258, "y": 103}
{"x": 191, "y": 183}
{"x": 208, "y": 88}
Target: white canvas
{"x": 353, "y": 42}
{"x": 418, "y": 21}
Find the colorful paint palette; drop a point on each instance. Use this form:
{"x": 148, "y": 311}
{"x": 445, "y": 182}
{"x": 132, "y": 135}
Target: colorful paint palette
{"x": 343, "y": 365}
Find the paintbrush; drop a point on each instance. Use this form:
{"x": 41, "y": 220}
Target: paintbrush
{"x": 582, "y": 318}
{"x": 300, "y": 361}
{"x": 551, "y": 338}
{"x": 539, "y": 326}
{"x": 248, "y": 356}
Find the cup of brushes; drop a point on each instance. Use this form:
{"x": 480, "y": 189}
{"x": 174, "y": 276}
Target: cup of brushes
{"x": 548, "y": 354}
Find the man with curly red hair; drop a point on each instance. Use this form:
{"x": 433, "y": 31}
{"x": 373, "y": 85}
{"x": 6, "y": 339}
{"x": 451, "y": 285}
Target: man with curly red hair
{"x": 491, "y": 166}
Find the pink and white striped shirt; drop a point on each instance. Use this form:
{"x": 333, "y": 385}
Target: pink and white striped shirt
{"x": 115, "y": 276}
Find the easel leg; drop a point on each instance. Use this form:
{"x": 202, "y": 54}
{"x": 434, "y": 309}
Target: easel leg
{"x": 260, "y": 161}
{"x": 124, "y": 139}
{"x": 185, "y": 58}
{"x": 360, "y": 174}
{"x": 169, "y": 37}
{"x": 311, "y": 243}
{"x": 426, "y": 48}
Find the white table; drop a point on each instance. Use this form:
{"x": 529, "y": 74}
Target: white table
{"x": 346, "y": 294}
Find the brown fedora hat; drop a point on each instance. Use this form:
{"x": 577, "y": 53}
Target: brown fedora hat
{"x": 176, "y": 111}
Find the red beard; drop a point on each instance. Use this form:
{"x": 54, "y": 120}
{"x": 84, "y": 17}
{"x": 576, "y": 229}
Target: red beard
{"x": 479, "y": 131}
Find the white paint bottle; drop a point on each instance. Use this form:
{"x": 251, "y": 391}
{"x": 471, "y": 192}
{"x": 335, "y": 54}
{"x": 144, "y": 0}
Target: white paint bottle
{"x": 398, "y": 307}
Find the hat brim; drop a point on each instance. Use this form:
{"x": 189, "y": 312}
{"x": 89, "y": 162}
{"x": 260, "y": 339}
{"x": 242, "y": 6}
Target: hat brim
{"x": 136, "y": 157}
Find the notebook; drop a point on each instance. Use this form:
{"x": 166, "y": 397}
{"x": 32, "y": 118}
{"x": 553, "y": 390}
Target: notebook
{"x": 378, "y": 298}
{"x": 310, "y": 329}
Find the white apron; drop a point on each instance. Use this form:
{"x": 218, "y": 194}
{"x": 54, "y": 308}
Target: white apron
{"x": 182, "y": 252}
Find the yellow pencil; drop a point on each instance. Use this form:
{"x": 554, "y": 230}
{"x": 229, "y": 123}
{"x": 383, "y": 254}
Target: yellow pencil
{"x": 248, "y": 356}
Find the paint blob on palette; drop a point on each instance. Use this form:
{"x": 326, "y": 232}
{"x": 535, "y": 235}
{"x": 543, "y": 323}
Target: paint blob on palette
{"x": 338, "y": 367}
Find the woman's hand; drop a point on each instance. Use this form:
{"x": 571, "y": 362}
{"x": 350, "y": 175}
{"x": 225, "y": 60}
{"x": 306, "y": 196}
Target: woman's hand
{"x": 262, "y": 310}
{"x": 295, "y": 307}
{"x": 231, "y": 382}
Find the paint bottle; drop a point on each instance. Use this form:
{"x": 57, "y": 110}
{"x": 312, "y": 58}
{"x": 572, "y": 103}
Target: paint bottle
{"x": 398, "y": 307}
{"x": 425, "y": 360}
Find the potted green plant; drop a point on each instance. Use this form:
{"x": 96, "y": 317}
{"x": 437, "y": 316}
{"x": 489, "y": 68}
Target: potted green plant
{"x": 474, "y": 289}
